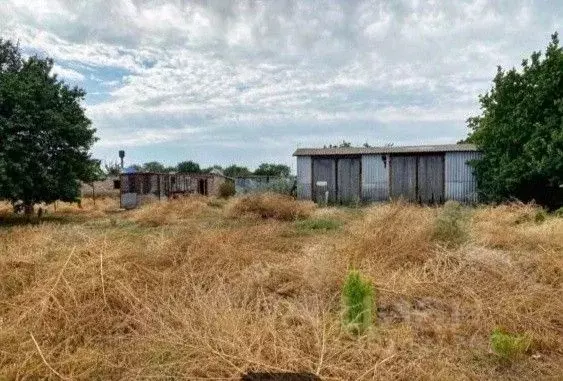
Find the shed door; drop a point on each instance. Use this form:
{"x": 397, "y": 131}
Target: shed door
{"x": 431, "y": 179}
{"x": 403, "y": 177}
{"x": 324, "y": 179}
{"x": 348, "y": 180}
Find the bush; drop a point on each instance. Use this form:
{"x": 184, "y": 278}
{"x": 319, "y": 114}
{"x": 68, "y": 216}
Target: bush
{"x": 559, "y": 212}
{"x": 271, "y": 205}
{"x": 450, "y": 224}
{"x": 357, "y": 303}
{"x": 227, "y": 189}
{"x": 508, "y": 346}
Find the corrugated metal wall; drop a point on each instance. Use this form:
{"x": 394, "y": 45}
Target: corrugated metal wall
{"x": 460, "y": 181}
{"x": 430, "y": 179}
{"x": 375, "y": 178}
{"x": 324, "y": 179}
{"x": 348, "y": 177}
{"x": 403, "y": 177}
{"x": 304, "y": 177}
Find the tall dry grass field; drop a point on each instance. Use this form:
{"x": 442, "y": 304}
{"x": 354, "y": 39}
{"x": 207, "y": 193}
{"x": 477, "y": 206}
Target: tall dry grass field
{"x": 195, "y": 289}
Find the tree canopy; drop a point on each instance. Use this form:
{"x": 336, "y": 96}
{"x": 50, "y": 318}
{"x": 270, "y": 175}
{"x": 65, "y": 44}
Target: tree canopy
{"x": 112, "y": 168}
{"x": 45, "y": 135}
{"x": 188, "y": 167}
{"x": 236, "y": 171}
{"x": 520, "y": 131}
{"x": 154, "y": 166}
{"x": 268, "y": 169}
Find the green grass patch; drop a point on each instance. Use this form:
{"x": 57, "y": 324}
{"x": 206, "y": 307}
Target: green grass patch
{"x": 318, "y": 225}
{"x": 357, "y": 303}
{"x": 509, "y": 346}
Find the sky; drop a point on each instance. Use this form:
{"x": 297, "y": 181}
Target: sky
{"x": 246, "y": 82}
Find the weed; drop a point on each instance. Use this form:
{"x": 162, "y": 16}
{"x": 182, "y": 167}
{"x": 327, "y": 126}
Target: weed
{"x": 357, "y": 302}
{"x": 508, "y": 346}
{"x": 450, "y": 224}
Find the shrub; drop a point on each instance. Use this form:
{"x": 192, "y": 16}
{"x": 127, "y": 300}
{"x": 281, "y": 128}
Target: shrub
{"x": 450, "y": 224}
{"x": 271, "y": 205}
{"x": 508, "y": 346}
{"x": 559, "y": 212}
{"x": 227, "y": 189}
{"x": 357, "y": 303}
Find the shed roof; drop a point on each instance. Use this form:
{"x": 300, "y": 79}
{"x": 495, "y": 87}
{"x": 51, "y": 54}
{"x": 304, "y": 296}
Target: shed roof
{"x": 387, "y": 149}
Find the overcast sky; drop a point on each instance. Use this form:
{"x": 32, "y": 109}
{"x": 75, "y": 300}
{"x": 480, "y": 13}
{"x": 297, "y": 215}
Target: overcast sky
{"x": 247, "y": 82}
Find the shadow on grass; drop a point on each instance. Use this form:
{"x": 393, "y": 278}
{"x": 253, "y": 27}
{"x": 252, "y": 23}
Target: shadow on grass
{"x": 18, "y": 220}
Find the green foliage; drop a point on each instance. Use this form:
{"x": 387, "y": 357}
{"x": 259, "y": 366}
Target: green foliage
{"x": 227, "y": 189}
{"x": 520, "y": 132}
{"x": 188, "y": 167}
{"x": 318, "y": 224}
{"x": 153, "y": 166}
{"x": 236, "y": 171}
{"x": 508, "y": 346}
{"x": 559, "y": 212}
{"x": 45, "y": 136}
{"x": 274, "y": 170}
{"x": 343, "y": 144}
{"x": 450, "y": 224}
{"x": 112, "y": 169}
{"x": 357, "y": 303}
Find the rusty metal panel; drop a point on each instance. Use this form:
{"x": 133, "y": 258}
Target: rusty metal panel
{"x": 375, "y": 177}
{"x": 348, "y": 175}
{"x": 403, "y": 177}
{"x": 430, "y": 179}
{"x": 304, "y": 178}
{"x": 324, "y": 179}
{"x": 460, "y": 182}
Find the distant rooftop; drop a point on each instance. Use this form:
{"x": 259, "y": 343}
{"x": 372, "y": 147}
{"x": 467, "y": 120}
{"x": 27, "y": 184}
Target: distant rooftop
{"x": 387, "y": 149}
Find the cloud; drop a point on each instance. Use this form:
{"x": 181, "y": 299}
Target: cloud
{"x": 224, "y": 76}
{"x": 67, "y": 73}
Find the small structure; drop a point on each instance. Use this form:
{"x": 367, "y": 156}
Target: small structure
{"x": 140, "y": 187}
{"x": 426, "y": 174}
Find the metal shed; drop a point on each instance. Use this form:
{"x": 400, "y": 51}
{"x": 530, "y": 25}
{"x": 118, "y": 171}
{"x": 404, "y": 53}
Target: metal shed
{"x": 427, "y": 174}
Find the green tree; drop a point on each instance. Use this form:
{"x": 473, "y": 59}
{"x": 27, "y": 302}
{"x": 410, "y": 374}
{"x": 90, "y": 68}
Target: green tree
{"x": 236, "y": 171}
{"x": 45, "y": 136}
{"x": 343, "y": 144}
{"x": 277, "y": 170}
{"x": 188, "y": 167}
{"x": 112, "y": 168}
{"x": 153, "y": 166}
{"x": 520, "y": 131}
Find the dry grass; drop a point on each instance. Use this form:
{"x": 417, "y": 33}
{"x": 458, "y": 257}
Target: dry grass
{"x": 182, "y": 290}
{"x": 271, "y": 205}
